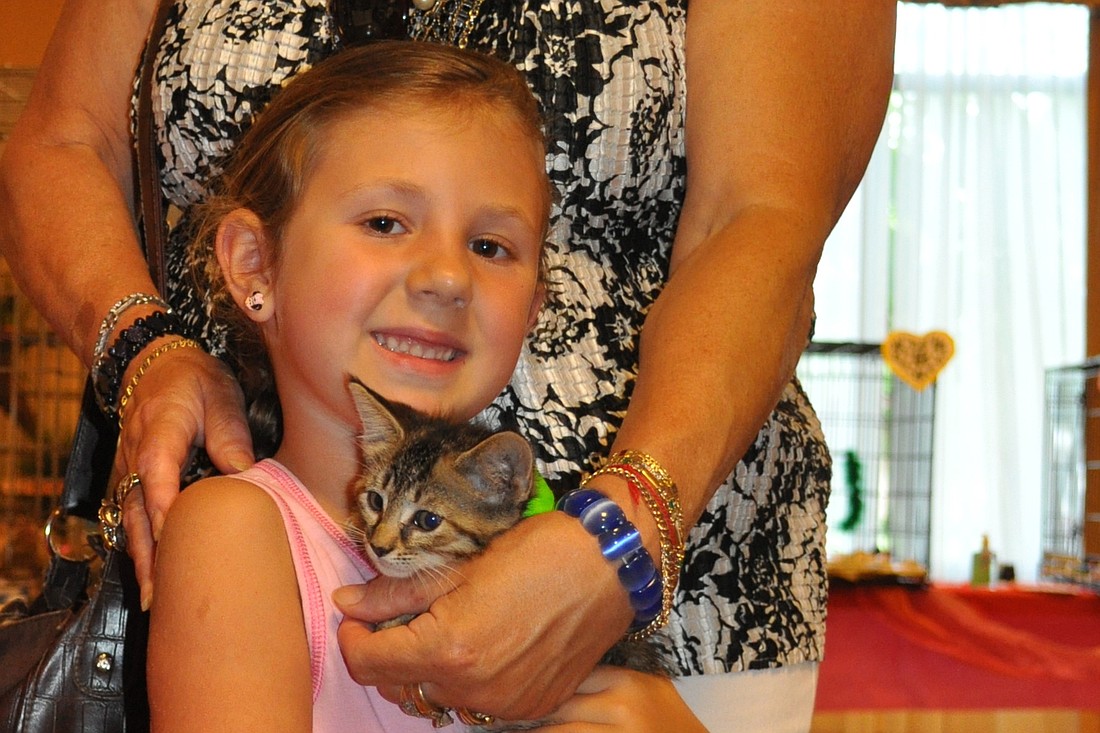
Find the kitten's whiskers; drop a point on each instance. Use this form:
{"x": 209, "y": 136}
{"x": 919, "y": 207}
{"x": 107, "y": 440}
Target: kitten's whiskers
{"x": 354, "y": 532}
{"x": 441, "y": 574}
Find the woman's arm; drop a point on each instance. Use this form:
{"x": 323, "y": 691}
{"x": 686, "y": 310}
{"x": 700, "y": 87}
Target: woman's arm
{"x": 65, "y": 181}
{"x": 778, "y": 137}
{"x": 68, "y": 234}
{"x": 786, "y": 101}
{"x": 227, "y": 642}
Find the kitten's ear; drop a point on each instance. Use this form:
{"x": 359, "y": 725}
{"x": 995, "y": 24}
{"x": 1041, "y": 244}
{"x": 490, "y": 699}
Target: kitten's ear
{"x": 379, "y": 430}
{"x": 501, "y": 466}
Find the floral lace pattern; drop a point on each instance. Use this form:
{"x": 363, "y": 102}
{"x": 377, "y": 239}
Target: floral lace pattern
{"x": 753, "y": 589}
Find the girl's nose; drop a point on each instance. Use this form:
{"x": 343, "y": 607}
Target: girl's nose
{"x": 441, "y": 275}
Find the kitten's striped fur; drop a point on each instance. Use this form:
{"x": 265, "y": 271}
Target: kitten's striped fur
{"x": 432, "y": 492}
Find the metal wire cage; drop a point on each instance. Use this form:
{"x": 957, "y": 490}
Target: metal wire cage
{"x": 879, "y": 431}
{"x": 1070, "y": 443}
{"x": 40, "y": 387}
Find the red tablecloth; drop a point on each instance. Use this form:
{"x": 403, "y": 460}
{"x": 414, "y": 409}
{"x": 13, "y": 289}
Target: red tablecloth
{"x": 956, "y": 647}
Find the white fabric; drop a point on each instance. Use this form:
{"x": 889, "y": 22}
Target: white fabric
{"x": 971, "y": 220}
{"x": 777, "y": 700}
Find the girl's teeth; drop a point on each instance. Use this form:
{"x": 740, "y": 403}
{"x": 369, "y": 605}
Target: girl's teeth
{"x": 415, "y": 348}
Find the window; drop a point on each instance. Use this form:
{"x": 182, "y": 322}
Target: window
{"x": 971, "y": 220}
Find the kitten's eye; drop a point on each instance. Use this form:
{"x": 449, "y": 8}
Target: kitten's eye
{"x": 427, "y": 521}
{"x": 384, "y": 224}
{"x": 374, "y": 501}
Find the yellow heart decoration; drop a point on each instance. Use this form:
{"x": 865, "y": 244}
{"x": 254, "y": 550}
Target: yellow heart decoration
{"x": 917, "y": 360}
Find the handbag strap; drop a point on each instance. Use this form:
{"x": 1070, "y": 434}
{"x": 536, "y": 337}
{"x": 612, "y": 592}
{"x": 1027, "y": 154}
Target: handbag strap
{"x": 151, "y": 204}
{"x": 87, "y": 473}
{"x": 90, "y": 459}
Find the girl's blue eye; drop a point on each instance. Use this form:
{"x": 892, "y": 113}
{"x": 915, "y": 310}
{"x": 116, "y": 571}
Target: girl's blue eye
{"x": 487, "y": 248}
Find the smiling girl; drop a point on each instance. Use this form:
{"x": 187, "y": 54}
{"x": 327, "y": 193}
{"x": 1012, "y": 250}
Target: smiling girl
{"x": 383, "y": 218}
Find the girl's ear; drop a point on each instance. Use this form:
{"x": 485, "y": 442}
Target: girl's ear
{"x": 244, "y": 253}
{"x": 536, "y": 305}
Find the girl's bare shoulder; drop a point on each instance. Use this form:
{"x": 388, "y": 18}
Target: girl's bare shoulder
{"x": 224, "y": 521}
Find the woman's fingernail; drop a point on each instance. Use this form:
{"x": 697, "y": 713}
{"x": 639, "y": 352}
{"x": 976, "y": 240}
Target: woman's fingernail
{"x": 146, "y": 598}
{"x": 240, "y": 464}
{"x": 349, "y": 595}
{"x": 156, "y": 519}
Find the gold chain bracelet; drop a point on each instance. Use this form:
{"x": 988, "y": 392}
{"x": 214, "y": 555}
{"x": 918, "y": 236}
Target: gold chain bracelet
{"x": 660, "y": 479}
{"x": 144, "y": 366}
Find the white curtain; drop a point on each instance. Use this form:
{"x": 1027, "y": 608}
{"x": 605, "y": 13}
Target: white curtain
{"x": 971, "y": 220}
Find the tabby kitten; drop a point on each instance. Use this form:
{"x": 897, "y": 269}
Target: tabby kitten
{"x": 432, "y": 492}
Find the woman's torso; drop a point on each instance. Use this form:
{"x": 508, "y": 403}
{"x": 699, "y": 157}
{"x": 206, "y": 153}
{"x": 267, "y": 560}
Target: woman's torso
{"x": 611, "y": 76}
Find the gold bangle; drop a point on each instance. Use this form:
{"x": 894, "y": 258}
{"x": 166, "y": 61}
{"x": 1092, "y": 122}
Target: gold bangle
{"x": 144, "y": 366}
{"x": 659, "y": 478}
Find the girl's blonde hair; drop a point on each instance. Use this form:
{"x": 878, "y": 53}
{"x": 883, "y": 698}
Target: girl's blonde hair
{"x": 271, "y": 163}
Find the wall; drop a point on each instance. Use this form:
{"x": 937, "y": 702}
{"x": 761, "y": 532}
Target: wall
{"x": 25, "y": 27}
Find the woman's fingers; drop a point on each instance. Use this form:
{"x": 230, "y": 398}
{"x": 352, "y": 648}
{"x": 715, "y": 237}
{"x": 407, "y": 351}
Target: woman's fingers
{"x": 139, "y": 542}
{"x": 516, "y": 637}
{"x": 618, "y": 699}
{"x": 386, "y": 598}
{"x": 185, "y": 399}
{"x": 228, "y": 441}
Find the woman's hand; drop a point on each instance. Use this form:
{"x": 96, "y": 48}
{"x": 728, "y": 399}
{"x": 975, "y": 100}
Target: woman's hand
{"x": 185, "y": 399}
{"x": 617, "y": 699}
{"x": 525, "y": 624}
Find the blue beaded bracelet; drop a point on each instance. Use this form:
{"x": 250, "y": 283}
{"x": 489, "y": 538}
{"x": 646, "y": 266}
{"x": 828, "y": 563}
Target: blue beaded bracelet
{"x": 620, "y": 542}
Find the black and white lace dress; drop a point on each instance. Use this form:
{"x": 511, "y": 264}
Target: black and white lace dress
{"x": 611, "y": 75}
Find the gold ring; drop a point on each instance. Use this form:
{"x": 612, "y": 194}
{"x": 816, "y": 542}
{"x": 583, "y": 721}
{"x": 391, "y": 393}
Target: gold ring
{"x": 415, "y": 704}
{"x": 469, "y": 717}
{"x": 125, "y": 486}
{"x": 110, "y": 512}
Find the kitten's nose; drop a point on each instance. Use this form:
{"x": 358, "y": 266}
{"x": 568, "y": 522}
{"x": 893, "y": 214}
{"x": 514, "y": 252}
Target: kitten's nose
{"x": 380, "y": 551}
